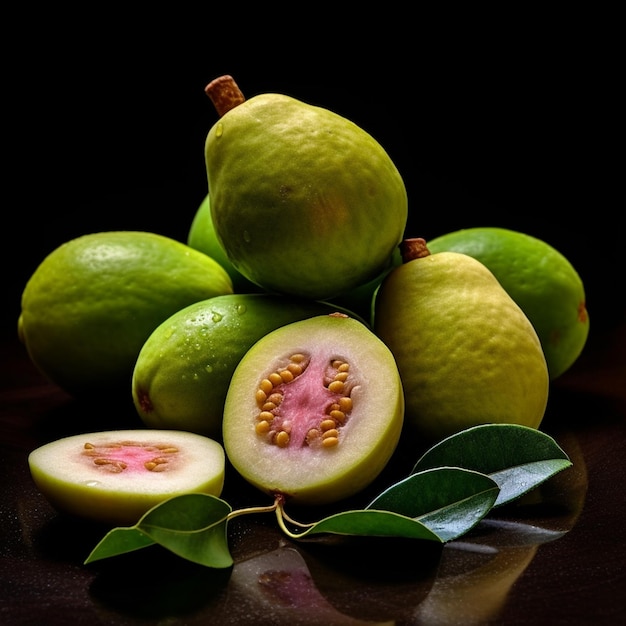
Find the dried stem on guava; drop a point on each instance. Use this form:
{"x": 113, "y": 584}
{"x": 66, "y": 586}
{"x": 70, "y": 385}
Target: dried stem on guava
{"x": 224, "y": 94}
{"x": 413, "y": 248}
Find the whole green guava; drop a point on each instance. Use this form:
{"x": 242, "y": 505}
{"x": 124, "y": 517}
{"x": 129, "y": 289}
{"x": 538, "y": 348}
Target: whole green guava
{"x": 304, "y": 201}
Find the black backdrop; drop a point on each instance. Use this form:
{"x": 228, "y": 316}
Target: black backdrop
{"x": 105, "y": 120}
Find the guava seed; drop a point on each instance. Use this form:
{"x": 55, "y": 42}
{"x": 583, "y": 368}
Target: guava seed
{"x": 322, "y": 426}
{"x": 139, "y": 455}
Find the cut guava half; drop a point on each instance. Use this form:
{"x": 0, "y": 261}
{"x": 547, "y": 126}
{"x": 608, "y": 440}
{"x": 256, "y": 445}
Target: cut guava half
{"x": 116, "y": 476}
{"x": 314, "y": 410}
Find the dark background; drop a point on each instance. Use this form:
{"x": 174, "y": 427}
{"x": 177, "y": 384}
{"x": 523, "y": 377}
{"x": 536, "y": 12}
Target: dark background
{"x": 505, "y": 121}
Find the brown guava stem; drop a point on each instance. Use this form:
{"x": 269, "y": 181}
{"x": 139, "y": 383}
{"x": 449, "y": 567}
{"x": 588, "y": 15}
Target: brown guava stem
{"x": 224, "y": 94}
{"x": 413, "y": 248}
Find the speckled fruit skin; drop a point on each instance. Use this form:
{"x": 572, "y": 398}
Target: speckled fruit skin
{"x": 116, "y": 476}
{"x": 365, "y": 433}
{"x": 184, "y": 368}
{"x": 466, "y": 352}
{"x": 539, "y": 278}
{"x": 304, "y": 202}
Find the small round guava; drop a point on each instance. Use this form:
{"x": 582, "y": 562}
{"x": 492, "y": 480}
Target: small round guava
{"x": 116, "y": 476}
{"x": 93, "y": 301}
{"x": 314, "y": 410}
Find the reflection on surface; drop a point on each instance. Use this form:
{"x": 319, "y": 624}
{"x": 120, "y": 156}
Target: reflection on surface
{"x": 472, "y": 584}
{"x": 275, "y": 581}
{"x": 277, "y": 588}
{"x": 475, "y": 575}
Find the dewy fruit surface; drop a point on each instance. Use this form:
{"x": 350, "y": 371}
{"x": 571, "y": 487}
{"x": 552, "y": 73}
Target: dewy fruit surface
{"x": 117, "y": 476}
{"x": 303, "y": 200}
{"x": 93, "y": 301}
{"x": 314, "y": 410}
{"x": 539, "y": 278}
{"x": 184, "y": 368}
{"x": 466, "y": 352}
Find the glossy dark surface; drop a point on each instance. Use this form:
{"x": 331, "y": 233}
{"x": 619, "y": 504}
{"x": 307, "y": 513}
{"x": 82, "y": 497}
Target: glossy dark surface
{"x": 105, "y": 122}
{"x": 556, "y": 557}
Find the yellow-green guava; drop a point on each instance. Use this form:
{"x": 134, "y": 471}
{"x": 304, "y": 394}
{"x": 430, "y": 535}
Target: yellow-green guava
{"x": 90, "y": 305}
{"x": 539, "y": 278}
{"x": 304, "y": 201}
{"x": 466, "y": 352}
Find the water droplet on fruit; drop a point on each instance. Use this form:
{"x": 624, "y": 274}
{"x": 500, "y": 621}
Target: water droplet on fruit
{"x": 216, "y": 317}
{"x": 219, "y": 130}
{"x": 241, "y": 309}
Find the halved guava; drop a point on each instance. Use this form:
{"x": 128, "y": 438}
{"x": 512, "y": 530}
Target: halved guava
{"x": 314, "y": 410}
{"x": 116, "y": 476}
{"x": 183, "y": 370}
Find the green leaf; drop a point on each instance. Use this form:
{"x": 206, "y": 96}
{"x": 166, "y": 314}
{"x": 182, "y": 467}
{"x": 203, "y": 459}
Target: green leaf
{"x": 517, "y": 457}
{"x": 448, "y": 500}
{"x": 193, "y": 526}
{"x": 372, "y": 524}
{"x": 119, "y": 541}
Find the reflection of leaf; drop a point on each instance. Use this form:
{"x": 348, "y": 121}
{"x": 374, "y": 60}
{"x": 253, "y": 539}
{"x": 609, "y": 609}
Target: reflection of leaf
{"x": 518, "y": 458}
{"x": 193, "y": 526}
{"x": 514, "y": 533}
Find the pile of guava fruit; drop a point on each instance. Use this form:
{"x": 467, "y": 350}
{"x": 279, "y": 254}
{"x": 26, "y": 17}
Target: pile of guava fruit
{"x": 300, "y": 326}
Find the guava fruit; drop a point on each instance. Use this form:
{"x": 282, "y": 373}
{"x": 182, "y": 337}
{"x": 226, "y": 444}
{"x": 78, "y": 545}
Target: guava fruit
{"x": 92, "y": 302}
{"x": 466, "y": 352}
{"x": 539, "y": 278}
{"x": 184, "y": 368}
{"x": 116, "y": 476}
{"x": 314, "y": 410}
{"x": 202, "y": 236}
{"x": 304, "y": 201}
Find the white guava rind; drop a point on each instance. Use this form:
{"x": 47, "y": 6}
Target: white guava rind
{"x": 312, "y": 475}
{"x": 73, "y": 484}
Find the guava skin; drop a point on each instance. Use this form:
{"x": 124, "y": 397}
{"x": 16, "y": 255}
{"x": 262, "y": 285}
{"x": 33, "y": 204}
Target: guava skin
{"x": 202, "y": 237}
{"x": 114, "y": 477}
{"x": 93, "y": 301}
{"x": 314, "y": 410}
{"x": 539, "y": 278}
{"x": 466, "y": 352}
{"x": 183, "y": 370}
{"x": 304, "y": 202}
